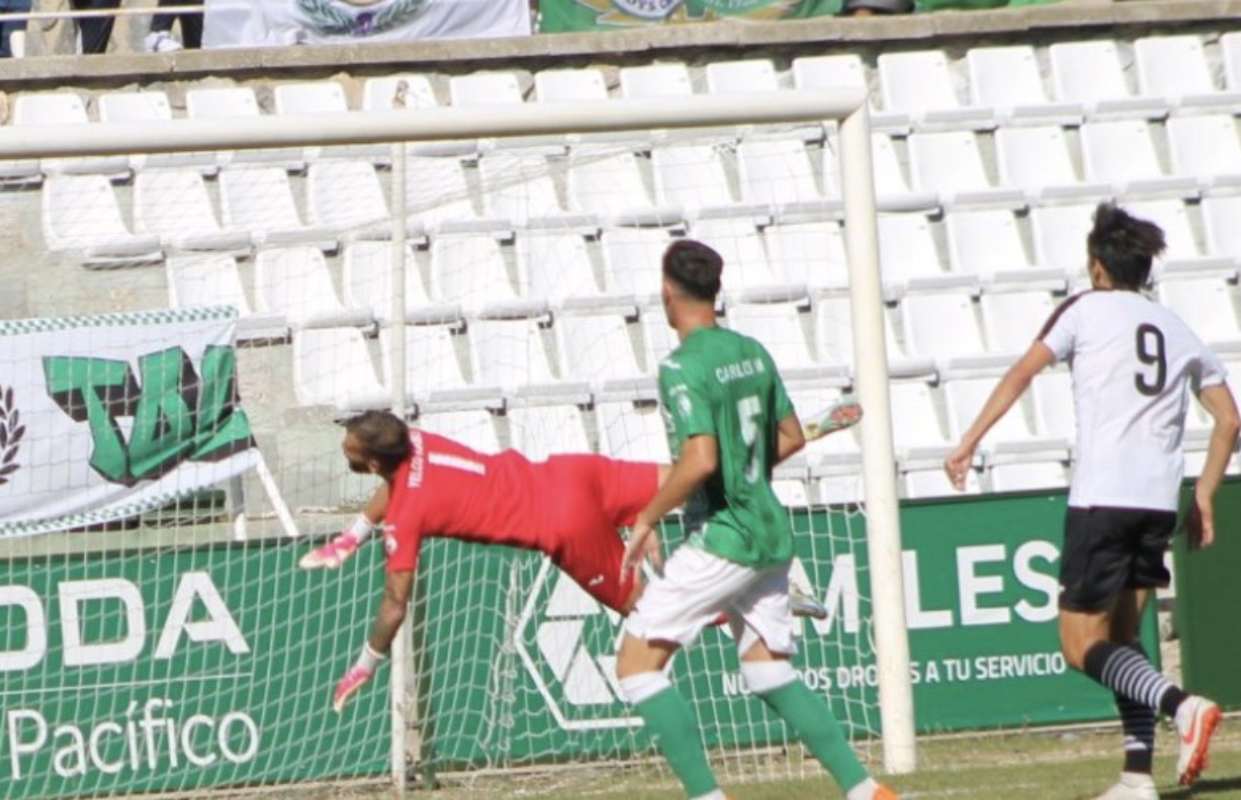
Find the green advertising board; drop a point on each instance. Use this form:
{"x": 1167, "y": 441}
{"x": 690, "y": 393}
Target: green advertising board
{"x": 182, "y": 669}
{"x": 981, "y": 590}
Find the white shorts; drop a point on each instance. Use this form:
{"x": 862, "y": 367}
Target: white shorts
{"x": 697, "y": 587}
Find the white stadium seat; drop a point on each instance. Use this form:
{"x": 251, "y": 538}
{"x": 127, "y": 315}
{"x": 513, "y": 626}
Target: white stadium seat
{"x": 380, "y": 94}
{"x": 1059, "y": 234}
{"x": 367, "y": 279}
{"x": 1206, "y": 148}
{"x": 151, "y": 106}
{"x": 1206, "y": 305}
{"x": 810, "y": 253}
{"x": 470, "y": 271}
{"x": 569, "y": 85}
{"x": 1223, "y": 234}
{"x": 739, "y": 244}
{"x": 437, "y": 192}
{"x": 776, "y": 172}
{"x": 1176, "y": 68}
{"x": 485, "y": 89}
{"x": 1037, "y": 161}
{"x": 333, "y": 367}
{"x": 347, "y": 198}
{"x": 1230, "y": 46}
{"x": 941, "y": 326}
{"x": 1055, "y": 414}
{"x": 1008, "y": 79}
{"x": 919, "y": 83}
{"x": 295, "y": 282}
{"x": 845, "y": 71}
{"x": 597, "y": 348}
{"x": 984, "y": 243}
{"x": 656, "y": 80}
{"x": 239, "y": 101}
{"x": 1182, "y": 247}
{"x": 631, "y": 261}
{"x": 779, "y": 326}
{"x": 174, "y": 205}
{"x": 511, "y": 353}
{"x": 892, "y": 192}
{"x": 611, "y": 186}
{"x": 260, "y": 200}
{"x": 539, "y": 431}
{"x": 60, "y": 108}
{"x": 907, "y": 252}
{"x": 555, "y": 267}
{"x": 966, "y": 397}
{"x": 950, "y": 165}
{"x": 733, "y": 77}
{"x": 432, "y": 362}
{"x": 1028, "y": 476}
{"x": 1090, "y": 73}
{"x": 633, "y": 431}
{"x": 518, "y": 188}
{"x": 317, "y": 97}
{"x": 1122, "y": 153}
{"x": 1012, "y": 320}
{"x": 81, "y": 217}
{"x": 691, "y": 176}
{"x": 658, "y": 339}
{"x": 914, "y": 405}
{"x": 206, "y": 281}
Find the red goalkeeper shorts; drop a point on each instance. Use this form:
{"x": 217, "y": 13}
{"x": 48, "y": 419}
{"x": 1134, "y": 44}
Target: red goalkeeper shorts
{"x": 588, "y": 499}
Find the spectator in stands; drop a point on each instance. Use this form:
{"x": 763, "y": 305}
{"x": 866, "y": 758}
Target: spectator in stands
{"x": 7, "y": 29}
{"x": 95, "y": 31}
{"x": 161, "y": 40}
{"x": 870, "y": 8}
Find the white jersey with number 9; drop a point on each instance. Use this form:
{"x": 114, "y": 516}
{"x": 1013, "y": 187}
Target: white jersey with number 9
{"x": 1132, "y": 361}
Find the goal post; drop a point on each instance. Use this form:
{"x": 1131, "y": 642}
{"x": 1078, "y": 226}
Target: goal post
{"x": 568, "y": 125}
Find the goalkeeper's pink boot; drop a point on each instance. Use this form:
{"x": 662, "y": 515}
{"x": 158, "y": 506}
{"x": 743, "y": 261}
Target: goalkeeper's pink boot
{"x": 348, "y": 686}
{"x": 332, "y": 554}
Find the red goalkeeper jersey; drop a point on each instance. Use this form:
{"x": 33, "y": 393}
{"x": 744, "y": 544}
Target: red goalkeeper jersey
{"x": 568, "y": 507}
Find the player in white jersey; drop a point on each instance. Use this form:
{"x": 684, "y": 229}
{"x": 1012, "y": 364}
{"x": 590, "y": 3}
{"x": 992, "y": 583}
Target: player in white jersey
{"x": 1132, "y": 361}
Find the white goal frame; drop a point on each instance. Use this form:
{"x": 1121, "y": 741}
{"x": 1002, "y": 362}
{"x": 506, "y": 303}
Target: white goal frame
{"x": 848, "y": 106}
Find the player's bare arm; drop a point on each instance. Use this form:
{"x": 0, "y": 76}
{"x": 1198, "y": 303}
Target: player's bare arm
{"x": 790, "y": 438}
{"x": 397, "y": 588}
{"x": 1006, "y": 393}
{"x": 1220, "y": 404}
{"x": 699, "y": 460}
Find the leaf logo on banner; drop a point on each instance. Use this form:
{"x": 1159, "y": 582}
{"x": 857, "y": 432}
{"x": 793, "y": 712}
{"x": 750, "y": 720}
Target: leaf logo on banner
{"x": 12, "y": 431}
{"x": 337, "y": 18}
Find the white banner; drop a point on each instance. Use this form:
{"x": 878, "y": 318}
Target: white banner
{"x": 274, "y": 23}
{"x": 105, "y": 417}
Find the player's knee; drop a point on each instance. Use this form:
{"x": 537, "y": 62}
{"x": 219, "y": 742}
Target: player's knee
{"x": 642, "y": 686}
{"x": 767, "y": 676}
{"x": 392, "y": 614}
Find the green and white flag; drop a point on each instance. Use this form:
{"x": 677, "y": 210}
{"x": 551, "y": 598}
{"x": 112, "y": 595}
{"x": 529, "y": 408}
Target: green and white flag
{"x": 558, "y": 16}
{"x": 105, "y": 417}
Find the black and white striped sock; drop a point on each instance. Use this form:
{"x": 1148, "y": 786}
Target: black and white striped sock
{"x": 1128, "y": 673}
{"x": 1138, "y": 722}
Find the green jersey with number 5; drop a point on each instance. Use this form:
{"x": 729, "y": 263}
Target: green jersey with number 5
{"x": 719, "y": 383}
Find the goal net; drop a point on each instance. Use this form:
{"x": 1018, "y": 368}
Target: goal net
{"x": 169, "y": 641}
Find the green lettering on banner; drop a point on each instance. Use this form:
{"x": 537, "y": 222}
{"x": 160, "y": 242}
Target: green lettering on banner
{"x": 177, "y": 415}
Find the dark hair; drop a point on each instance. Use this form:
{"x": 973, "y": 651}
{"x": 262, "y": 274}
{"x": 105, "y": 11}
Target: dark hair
{"x": 1124, "y": 245}
{"x": 383, "y": 435}
{"x": 695, "y": 268}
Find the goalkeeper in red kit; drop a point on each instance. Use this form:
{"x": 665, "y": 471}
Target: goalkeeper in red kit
{"x": 568, "y": 507}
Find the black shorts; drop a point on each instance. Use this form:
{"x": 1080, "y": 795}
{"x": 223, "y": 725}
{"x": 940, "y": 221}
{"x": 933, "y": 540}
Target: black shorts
{"x": 1108, "y": 550}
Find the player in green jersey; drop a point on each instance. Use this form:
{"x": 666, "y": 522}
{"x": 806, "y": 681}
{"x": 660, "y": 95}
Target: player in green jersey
{"x": 729, "y": 423}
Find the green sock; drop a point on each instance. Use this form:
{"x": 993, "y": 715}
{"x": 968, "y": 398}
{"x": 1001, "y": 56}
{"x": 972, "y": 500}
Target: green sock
{"x": 811, "y": 719}
{"x": 670, "y": 721}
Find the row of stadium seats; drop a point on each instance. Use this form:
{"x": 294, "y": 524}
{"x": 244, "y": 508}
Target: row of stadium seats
{"x": 773, "y": 177}
{"x": 1088, "y": 80}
